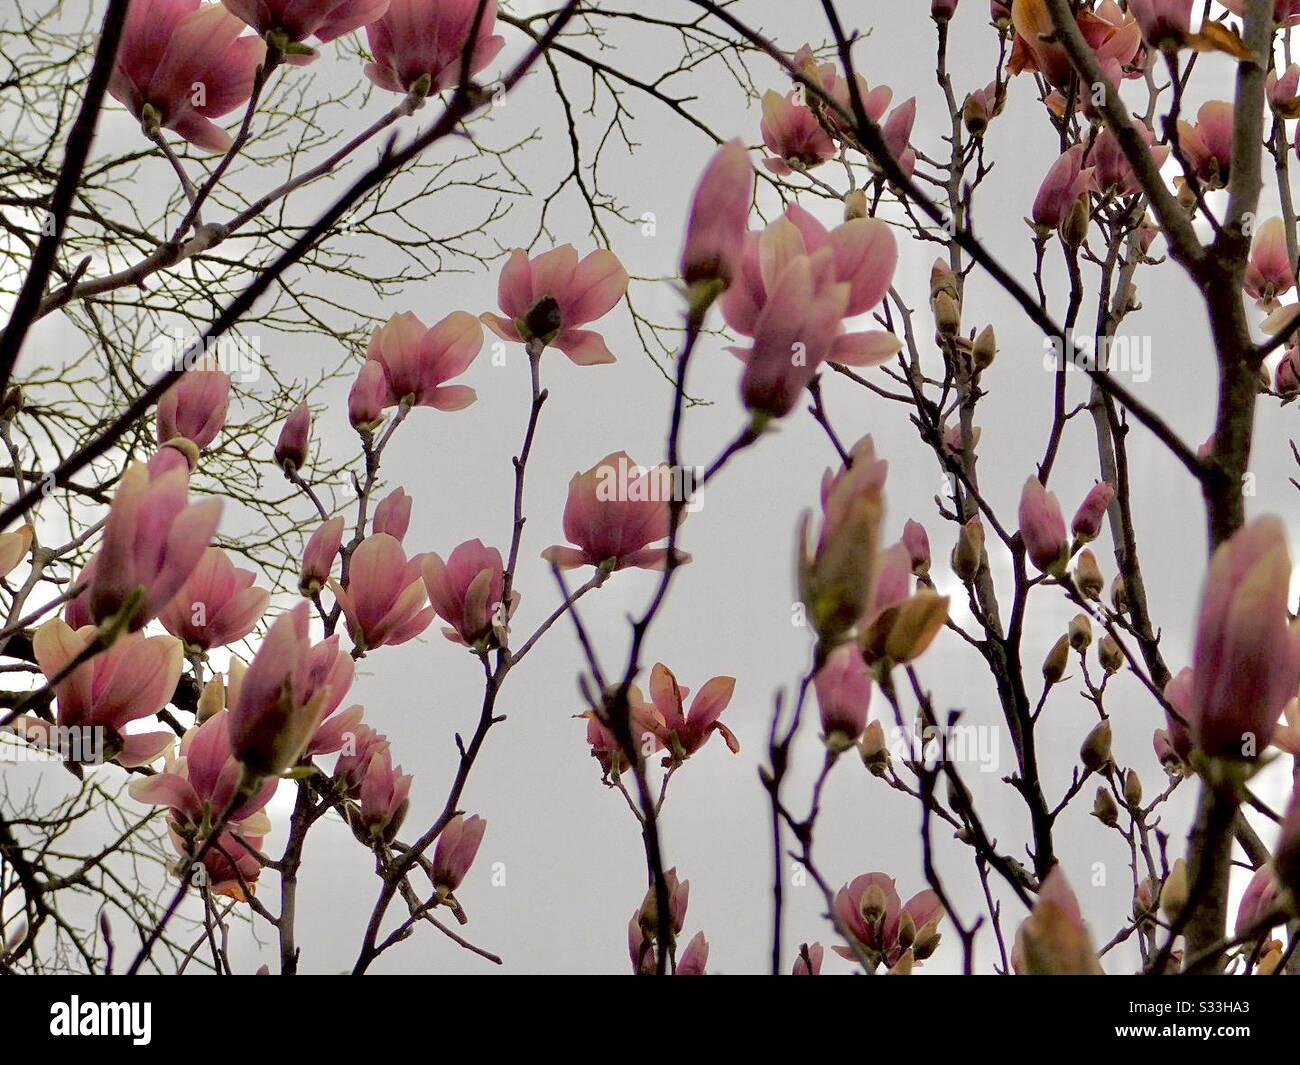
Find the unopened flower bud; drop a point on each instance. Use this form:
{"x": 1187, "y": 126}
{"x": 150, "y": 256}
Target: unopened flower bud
{"x": 855, "y": 204}
{"x": 1080, "y": 632}
{"x": 874, "y": 904}
{"x": 1119, "y": 595}
{"x": 1173, "y": 896}
{"x": 1058, "y": 658}
{"x": 947, "y": 314}
{"x": 872, "y": 747}
{"x": 1087, "y": 575}
{"x": 985, "y": 349}
{"x": 975, "y": 114}
{"x": 212, "y": 700}
{"x": 968, "y": 555}
{"x": 943, "y": 280}
{"x": 1104, "y": 808}
{"x": 1074, "y": 227}
{"x": 1132, "y": 788}
{"x": 1095, "y": 752}
{"x": 1109, "y": 654}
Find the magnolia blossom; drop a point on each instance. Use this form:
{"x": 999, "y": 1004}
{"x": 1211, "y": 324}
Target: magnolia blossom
{"x": 875, "y": 102}
{"x": 275, "y": 707}
{"x": 181, "y": 64}
{"x": 202, "y": 782}
{"x": 385, "y": 792}
{"x": 1269, "y": 273}
{"x": 368, "y": 397}
{"x": 797, "y": 284}
{"x": 417, "y": 362}
{"x": 715, "y": 232}
{"x": 1246, "y": 664}
{"x": 683, "y": 733}
{"x": 466, "y": 591}
{"x": 217, "y": 604}
{"x": 195, "y": 407}
{"x": 881, "y": 926}
{"x": 457, "y": 846}
{"x": 1208, "y": 144}
{"x": 293, "y": 21}
{"x": 393, "y": 514}
{"x": 546, "y": 300}
{"x": 319, "y": 555}
{"x": 1258, "y": 901}
{"x": 1110, "y": 167}
{"x": 1066, "y": 181}
{"x": 843, "y": 687}
{"x": 295, "y": 435}
{"x": 614, "y": 511}
{"x": 153, "y": 539}
{"x": 384, "y": 601}
{"x": 419, "y": 45}
{"x": 133, "y": 679}
{"x": 1042, "y": 527}
{"x": 1163, "y": 22}
{"x": 1053, "y": 940}
{"x": 793, "y": 134}
{"x": 14, "y": 547}
{"x": 1086, "y": 524}
{"x": 360, "y": 748}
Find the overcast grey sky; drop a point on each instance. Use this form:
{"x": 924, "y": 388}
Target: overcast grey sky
{"x": 565, "y": 850}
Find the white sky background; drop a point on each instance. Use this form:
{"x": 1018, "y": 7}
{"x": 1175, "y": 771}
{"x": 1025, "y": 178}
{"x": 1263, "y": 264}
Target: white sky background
{"x": 569, "y": 851}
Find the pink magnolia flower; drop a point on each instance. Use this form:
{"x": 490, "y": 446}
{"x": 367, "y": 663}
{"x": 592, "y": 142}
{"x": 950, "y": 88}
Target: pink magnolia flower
{"x": 1110, "y": 166}
{"x": 216, "y": 605}
{"x": 393, "y": 514}
{"x": 943, "y": 9}
{"x": 897, "y": 132}
{"x": 1269, "y": 273}
{"x": 547, "y": 299}
{"x": 384, "y": 601}
{"x": 457, "y": 846}
{"x": 1285, "y": 12}
{"x": 875, "y": 102}
{"x": 14, "y": 547}
{"x": 715, "y": 233}
{"x": 1163, "y": 22}
{"x": 202, "y": 782}
{"x": 1042, "y": 527}
{"x": 614, "y": 511}
{"x": 319, "y": 555}
{"x": 275, "y": 706}
{"x": 330, "y": 672}
{"x": 1066, "y": 181}
{"x": 605, "y": 748}
{"x": 917, "y": 542}
{"x": 893, "y": 583}
{"x": 363, "y": 745}
{"x": 296, "y": 20}
{"x": 416, "y": 39}
{"x": 869, "y": 910}
{"x": 1282, "y": 92}
{"x": 843, "y": 687}
{"x": 1115, "y": 37}
{"x": 1259, "y": 900}
{"x": 793, "y": 134}
{"x": 385, "y": 797}
{"x": 684, "y": 733}
{"x": 1208, "y": 144}
{"x": 232, "y": 866}
{"x": 1247, "y": 655}
{"x": 295, "y": 435}
{"x": 367, "y": 397}
{"x": 1053, "y": 940}
{"x": 809, "y": 961}
{"x": 694, "y": 958}
{"x": 417, "y": 362}
{"x": 1286, "y": 377}
{"x": 860, "y": 253}
{"x": 153, "y": 539}
{"x": 133, "y": 679}
{"x": 1178, "y": 694}
{"x": 195, "y": 407}
{"x": 466, "y": 590}
{"x": 1086, "y": 525}
{"x": 181, "y": 64}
